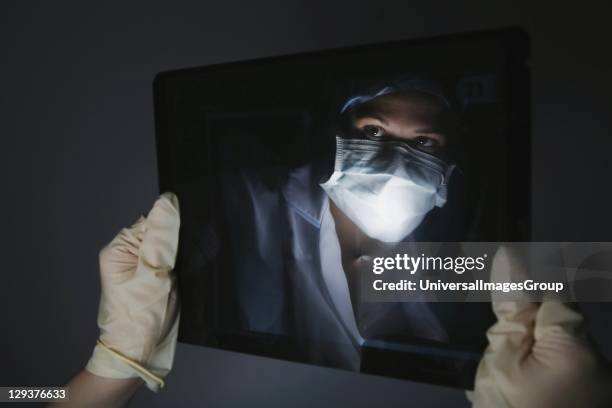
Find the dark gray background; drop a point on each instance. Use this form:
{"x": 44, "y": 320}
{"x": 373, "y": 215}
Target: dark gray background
{"x": 77, "y": 116}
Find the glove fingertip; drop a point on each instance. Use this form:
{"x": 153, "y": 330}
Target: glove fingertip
{"x": 559, "y": 318}
{"x": 169, "y": 198}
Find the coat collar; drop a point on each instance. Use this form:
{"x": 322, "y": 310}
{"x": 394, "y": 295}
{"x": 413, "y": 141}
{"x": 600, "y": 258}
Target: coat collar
{"x": 304, "y": 194}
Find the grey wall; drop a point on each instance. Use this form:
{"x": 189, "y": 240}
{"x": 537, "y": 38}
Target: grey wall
{"x": 80, "y": 163}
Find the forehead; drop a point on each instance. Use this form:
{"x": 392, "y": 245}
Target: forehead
{"x": 400, "y": 106}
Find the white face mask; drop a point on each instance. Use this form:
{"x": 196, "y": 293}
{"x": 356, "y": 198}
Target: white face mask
{"x": 386, "y": 188}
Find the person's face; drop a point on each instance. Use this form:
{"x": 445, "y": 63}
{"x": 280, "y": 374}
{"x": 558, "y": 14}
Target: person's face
{"x": 414, "y": 117}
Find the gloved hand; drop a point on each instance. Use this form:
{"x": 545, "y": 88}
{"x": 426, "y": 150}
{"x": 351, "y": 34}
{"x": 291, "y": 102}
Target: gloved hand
{"x": 139, "y": 314}
{"x": 538, "y": 355}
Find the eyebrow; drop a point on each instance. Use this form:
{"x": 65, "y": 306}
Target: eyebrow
{"x": 429, "y": 131}
{"x": 376, "y": 116}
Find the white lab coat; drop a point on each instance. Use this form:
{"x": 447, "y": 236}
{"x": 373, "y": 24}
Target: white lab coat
{"x": 286, "y": 239}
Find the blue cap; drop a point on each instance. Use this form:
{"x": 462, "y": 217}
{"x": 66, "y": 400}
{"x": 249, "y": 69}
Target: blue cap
{"x": 400, "y": 85}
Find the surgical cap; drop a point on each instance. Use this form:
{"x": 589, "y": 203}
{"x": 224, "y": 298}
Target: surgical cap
{"x": 398, "y": 85}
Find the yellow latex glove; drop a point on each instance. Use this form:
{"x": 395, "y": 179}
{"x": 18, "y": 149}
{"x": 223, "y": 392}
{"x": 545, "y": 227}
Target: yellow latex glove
{"x": 139, "y": 314}
{"x": 538, "y": 354}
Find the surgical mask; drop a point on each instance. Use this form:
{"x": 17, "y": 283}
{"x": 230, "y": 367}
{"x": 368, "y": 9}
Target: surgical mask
{"x": 386, "y": 188}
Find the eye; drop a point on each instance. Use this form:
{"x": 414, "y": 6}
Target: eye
{"x": 373, "y": 132}
{"x": 426, "y": 142}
